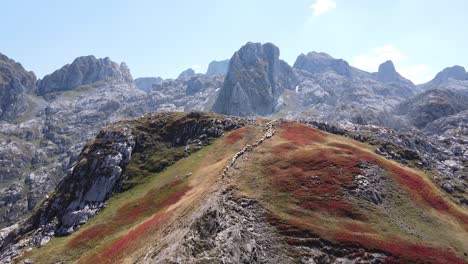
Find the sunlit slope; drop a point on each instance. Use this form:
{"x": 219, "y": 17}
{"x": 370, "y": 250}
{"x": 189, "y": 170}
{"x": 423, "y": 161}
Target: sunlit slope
{"x": 136, "y": 219}
{"x": 314, "y": 185}
{"x": 342, "y": 191}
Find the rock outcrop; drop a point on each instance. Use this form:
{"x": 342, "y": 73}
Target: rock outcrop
{"x": 388, "y": 74}
{"x": 315, "y": 62}
{"x": 15, "y": 84}
{"x": 254, "y": 82}
{"x": 84, "y": 70}
{"x": 454, "y": 73}
{"x": 146, "y": 83}
{"x": 218, "y": 68}
{"x": 426, "y": 107}
{"x": 186, "y": 74}
{"x": 453, "y": 125}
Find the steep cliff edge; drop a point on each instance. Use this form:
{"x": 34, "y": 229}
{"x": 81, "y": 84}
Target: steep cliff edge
{"x": 255, "y": 80}
{"x": 15, "y": 84}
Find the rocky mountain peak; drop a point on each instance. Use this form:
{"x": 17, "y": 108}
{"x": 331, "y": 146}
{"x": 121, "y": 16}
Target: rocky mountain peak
{"x": 15, "y": 83}
{"x": 186, "y": 74}
{"x": 320, "y": 62}
{"x": 255, "y": 80}
{"x": 387, "y": 68}
{"x": 217, "y": 68}
{"x": 85, "y": 70}
{"x": 388, "y": 74}
{"x": 455, "y": 72}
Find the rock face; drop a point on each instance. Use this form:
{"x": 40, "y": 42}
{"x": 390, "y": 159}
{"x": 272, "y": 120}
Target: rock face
{"x": 254, "y": 82}
{"x": 454, "y": 73}
{"x": 331, "y": 90}
{"x": 453, "y": 125}
{"x": 218, "y": 68}
{"x": 15, "y": 84}
{"x": 195, "y": 93}
{"x": 388, "y": 74}
{"x": 146, "y": 83}
{"x": 84, "y": 70}
{"x": 186, "y": 74}
{"x": 315, "y": 62}
{"x": 431, "y": 105}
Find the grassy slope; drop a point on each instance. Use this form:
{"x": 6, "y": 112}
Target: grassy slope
{"x": 134, "y": 219}
{"x": 303, "y": 176}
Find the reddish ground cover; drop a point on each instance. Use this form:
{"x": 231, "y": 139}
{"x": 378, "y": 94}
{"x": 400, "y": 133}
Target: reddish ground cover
{"x": 403, "y": 252}
{"x": 131, "y": 212}
{"x": 301, "y": 134}
{"x": 315, "y": 178}
{"x": 88, "y": 235}
{"x": 236, "y": 135}
{"x": 134, "y": 235}
{"x": 316, "y": 175}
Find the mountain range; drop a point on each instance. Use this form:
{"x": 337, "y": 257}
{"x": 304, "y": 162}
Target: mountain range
{"x": 354, "y": 166}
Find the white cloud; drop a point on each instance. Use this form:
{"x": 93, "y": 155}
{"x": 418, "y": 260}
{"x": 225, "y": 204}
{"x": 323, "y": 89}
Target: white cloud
{"x": 418, "y": 73}
{"x": 196, "y": 67}
{"x": 320, "y": 7}
{"x": 372, "y": 60}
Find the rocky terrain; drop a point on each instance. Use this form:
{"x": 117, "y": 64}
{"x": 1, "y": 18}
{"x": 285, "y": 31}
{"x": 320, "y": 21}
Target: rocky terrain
{"x": 182, "y": 188}
{"x": 42, "y": 142}
{"x": 449, "y": 74}
{"x": 45, "y": 124}
{"x": 146, "y": 83}
{"x": 254, "y": 82}
{"x": 16, "y": 84}
{"x": 82, "y": 71}
{"x": 431, "y": 105}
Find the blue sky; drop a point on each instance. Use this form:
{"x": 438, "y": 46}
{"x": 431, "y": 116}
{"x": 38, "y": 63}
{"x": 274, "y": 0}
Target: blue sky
{"x": 162, "y": 38}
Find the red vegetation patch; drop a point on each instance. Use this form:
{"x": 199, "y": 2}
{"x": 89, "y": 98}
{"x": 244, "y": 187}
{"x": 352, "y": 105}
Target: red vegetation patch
{"x": 301, "y": 134}
{"x": 315, "y": 174}
{"x": 146, "y": 227}
{"x": 421, "y": 190}
{"x": 174, "y": 198}
{"x": 401, "y": 251}
{"x": 124, "y": 242}
{"x": 236, "y": 135}
{"x": 131, "y": 212}
{"x": 316, "y": 179}
{"x": 88, "y": 235}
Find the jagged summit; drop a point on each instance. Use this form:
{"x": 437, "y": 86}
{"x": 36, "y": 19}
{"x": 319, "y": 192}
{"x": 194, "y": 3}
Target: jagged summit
{"x": 457, "y": 73}
{"x": 320, "y": 62}
{"x": 388, "y": 74}
{"x": 15, "y": 84}
{"x": 254, "y": 82}
{"x": 217, "y": 68}
{"x": 85, "y": 70}
{"x": 186, "y": 74}
{"x": 387, "y": 71}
